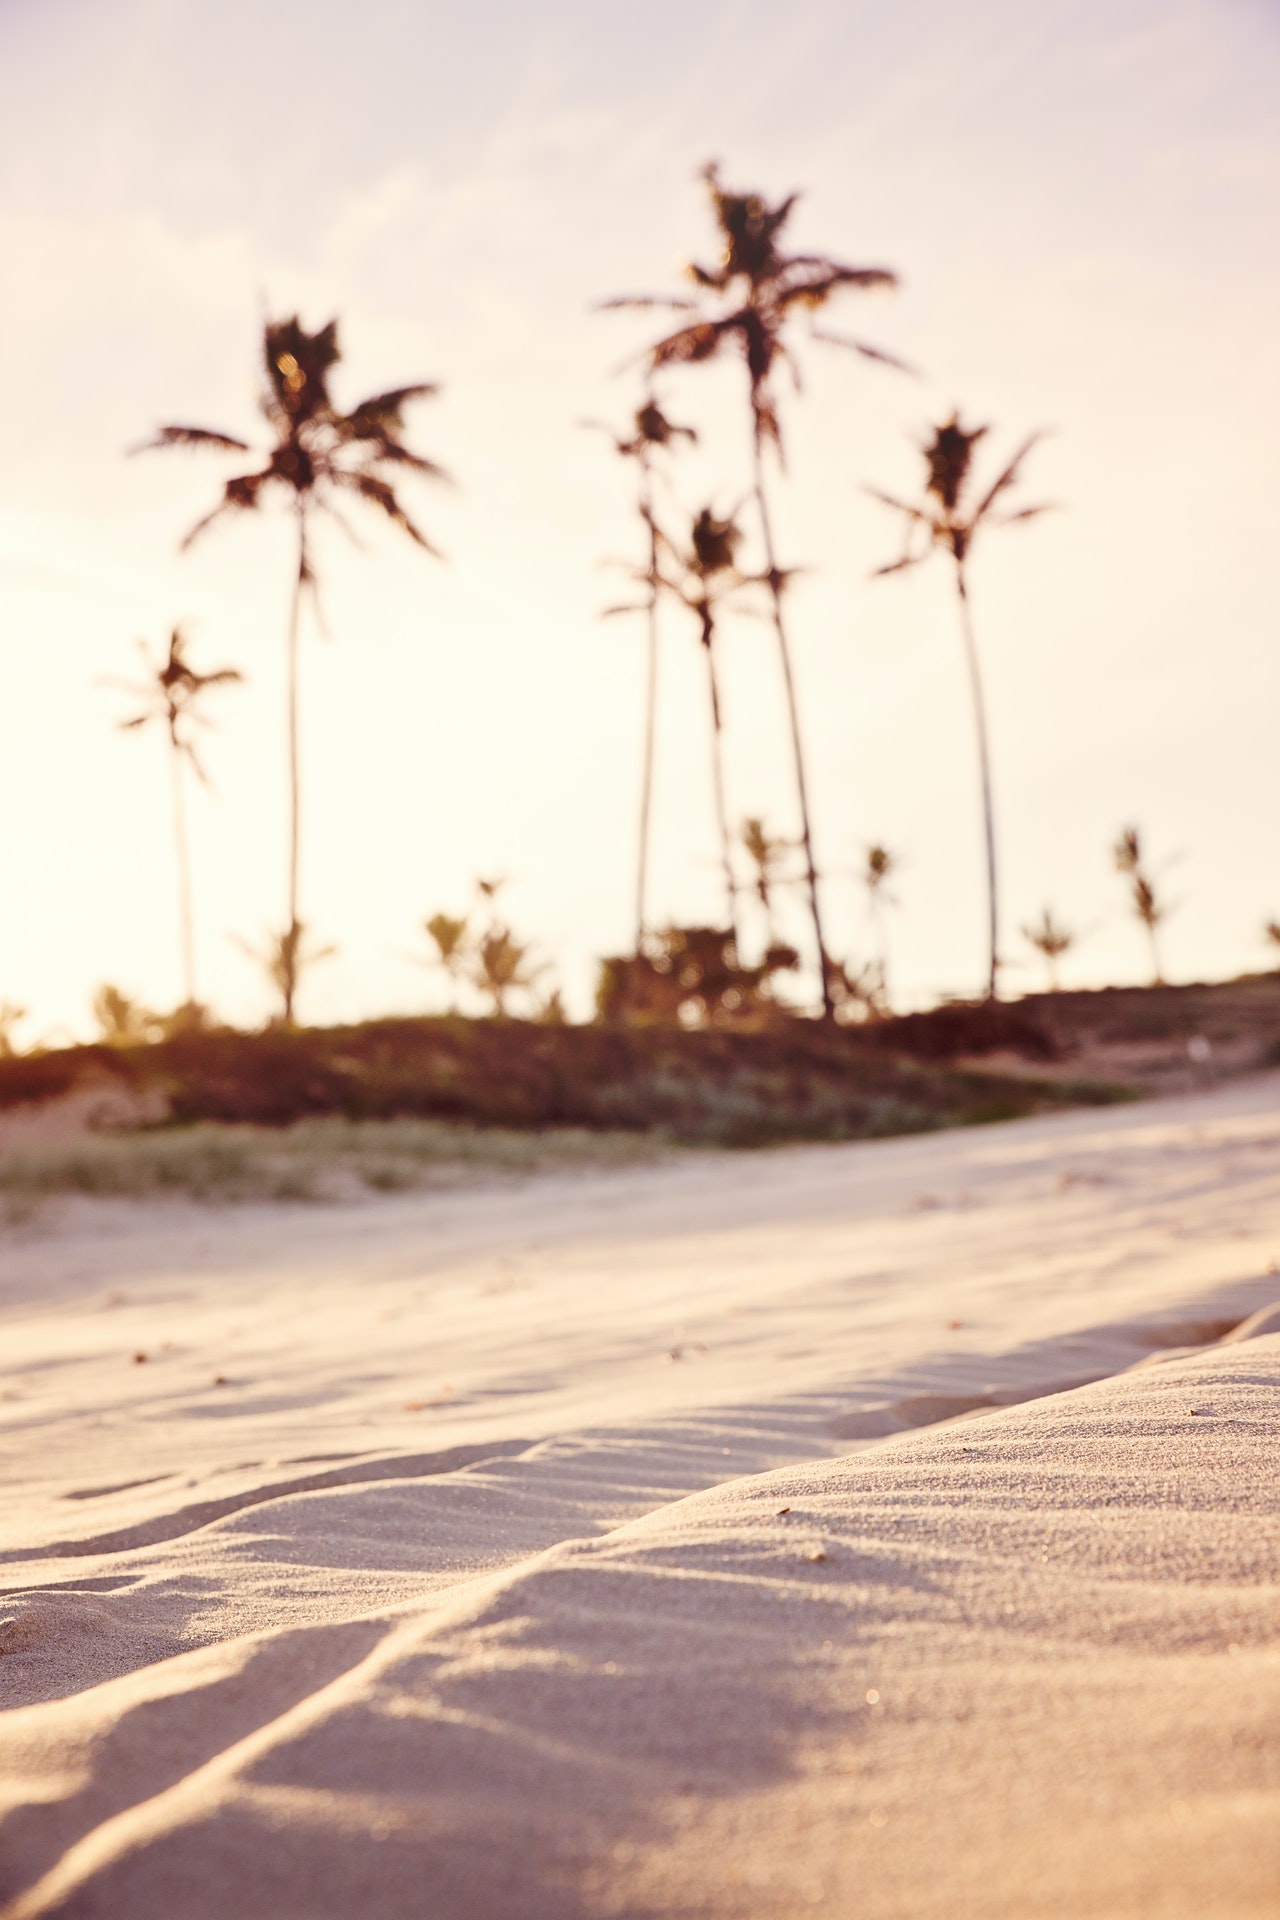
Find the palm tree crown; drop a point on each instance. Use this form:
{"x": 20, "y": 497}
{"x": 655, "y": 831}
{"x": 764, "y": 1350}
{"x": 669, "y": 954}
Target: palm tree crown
{"x": 317, "y": 451}
{"x": 173, "y": 692}
{"x": 948, "y": 517}
{"x": 762, "y": 287}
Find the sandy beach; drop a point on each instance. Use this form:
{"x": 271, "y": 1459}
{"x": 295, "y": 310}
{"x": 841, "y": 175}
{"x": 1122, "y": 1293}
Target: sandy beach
{"x": 890, "y": 1528}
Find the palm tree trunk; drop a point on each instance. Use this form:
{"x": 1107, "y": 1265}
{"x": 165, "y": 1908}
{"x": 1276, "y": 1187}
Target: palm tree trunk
{"x": 651, "y": 711}
{"x": 802, "y": 792}
{"x": 717, "y": 776}
{"x": 984, "y": 759}
{"x": 295, "y": 620}
{"x": 186, "y": 917}
{"x": 1156, "y": 969}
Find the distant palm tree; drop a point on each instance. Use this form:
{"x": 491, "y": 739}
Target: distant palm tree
{"x": 1147, "y": 905}
{"x": 173, "y": 692}
{"x": 316, "y": 455}
{"x": 284, "y": 959}
{"x": 768, "y": 854}
{"x": 1052, "y": 940}
{"x": 949, "y": 519}
{"x": 1271, "y": 932}
{"x": 448, "y": 934}
{"x": 761, "y": 289}
{"x": 652, "y": 432}
{"x": 878, "y": 868}
{"x": 702, "y": 575}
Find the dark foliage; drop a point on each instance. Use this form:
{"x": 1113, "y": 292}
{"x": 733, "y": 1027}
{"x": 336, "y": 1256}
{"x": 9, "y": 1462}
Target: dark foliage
{"x": 809, "y": 1081}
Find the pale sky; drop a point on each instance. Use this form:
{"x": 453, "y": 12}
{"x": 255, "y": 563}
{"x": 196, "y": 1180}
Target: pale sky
{"x": 1082, "y": 201}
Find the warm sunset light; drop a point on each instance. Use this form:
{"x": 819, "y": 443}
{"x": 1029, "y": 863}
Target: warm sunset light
{"x": 640, "y": 978}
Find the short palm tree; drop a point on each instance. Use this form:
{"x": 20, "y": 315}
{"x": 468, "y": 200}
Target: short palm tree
{"x": 756, "y": 291}
{"x": 448, "y": 934}
{"x": 173, "y": 692}
{"x": 878, "y": 868}
{"x": 768, "y": 855}
{"x": 1051, "y": 940}
{"x": 652, "y": 432}
{"x": 949, "y": 518}
{"x": 1147, "y": 905}
{"x": 317, "y": 455}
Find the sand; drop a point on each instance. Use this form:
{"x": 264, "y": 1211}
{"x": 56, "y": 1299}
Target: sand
{"x": 591, "y": 1547}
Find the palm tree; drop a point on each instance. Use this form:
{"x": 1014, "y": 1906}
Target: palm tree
{"x": 1271, "y": 932}
{"x": 316, "y": 455}
{"x": 1147, "y": 905}
{"x": 702, "y": 575}
{"x": 759, "y": 290}
{"x": 1052, "y": 940}
{"x": 768, "y": 854}
{"x": 652, "y": 432}
{"x": 949, "y": 519}
{"x": 448, "y": 934}
{"x": 880, "y": 864}
{"x": 172, "y": 693}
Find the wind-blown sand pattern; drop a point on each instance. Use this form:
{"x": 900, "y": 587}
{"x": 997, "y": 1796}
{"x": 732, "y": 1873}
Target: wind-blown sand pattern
{"x": 503, "y": 1553}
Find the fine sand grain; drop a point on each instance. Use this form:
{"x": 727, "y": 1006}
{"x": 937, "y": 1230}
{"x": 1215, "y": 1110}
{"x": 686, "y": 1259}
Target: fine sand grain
{"x": 500, "y": 1554}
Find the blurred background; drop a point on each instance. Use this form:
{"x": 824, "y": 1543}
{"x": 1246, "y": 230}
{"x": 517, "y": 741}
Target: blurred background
{"x": 1081, "y": 200}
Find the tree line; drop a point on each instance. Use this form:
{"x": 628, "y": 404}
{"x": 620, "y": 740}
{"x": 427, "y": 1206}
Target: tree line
{"x": 747, "y": 305}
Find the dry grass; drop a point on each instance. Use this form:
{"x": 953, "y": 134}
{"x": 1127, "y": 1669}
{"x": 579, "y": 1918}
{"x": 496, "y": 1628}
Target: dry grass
{"x": 322, "y": 1159}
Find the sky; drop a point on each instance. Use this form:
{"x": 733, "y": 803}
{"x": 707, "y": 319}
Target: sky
{"x": 1081, "y": 201}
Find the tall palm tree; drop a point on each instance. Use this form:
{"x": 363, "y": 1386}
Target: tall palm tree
{"x": 173, "y": 692}
{"x": 702, "y": 575}
{"x": 317, "y": 454}
{"x": 757, "y": 291}
{"x": 652, "y": 432}
{"x": 948, "y": 518}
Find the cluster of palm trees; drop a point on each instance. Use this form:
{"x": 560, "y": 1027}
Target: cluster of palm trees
{"x": 748, "y": 305}
{"x": 702, "y": 564}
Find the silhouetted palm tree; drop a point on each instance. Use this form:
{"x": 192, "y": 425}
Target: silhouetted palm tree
{"x": 760, "y": 290}
{"x": 448, "y": 934}
{"x": 173, "y": 692}
{"x": 877, "y": 869}
{"x": 768, "y": 854}
{"x": 1271, "y": 932}
{"x": 948, "y": 518}
{"x": 1052, "y": 940}
{"x": 702, "y": 575}
{"x": 652, "y": 432}
{"x": 317, "y": 454}
{"x": 1147, "y": 905}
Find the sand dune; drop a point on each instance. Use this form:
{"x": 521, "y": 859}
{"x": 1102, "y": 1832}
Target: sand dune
{"x": 502, "y": 1553}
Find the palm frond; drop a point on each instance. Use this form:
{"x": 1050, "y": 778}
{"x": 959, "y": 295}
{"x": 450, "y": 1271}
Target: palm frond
{"x": 1026, "y": 513}
{"x": 1006, "y": 479}
{"x": 380, "y": 495}
{"x": 903, "y": 506}
{"x": 898, "y": 566}
{"x": 671, "y": 302}
{"x": 240, "y": 494}
{"x": 867, "y": 351}
{"x": 383, "y": 410}
{"x": 178, "y": 436}
{"x": 690, "y": 344}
